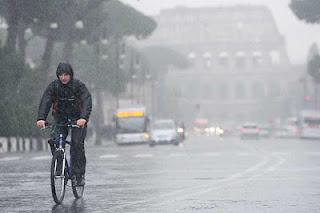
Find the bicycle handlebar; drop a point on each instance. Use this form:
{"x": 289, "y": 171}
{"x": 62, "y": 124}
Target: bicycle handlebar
{"x": 71, "y": 125}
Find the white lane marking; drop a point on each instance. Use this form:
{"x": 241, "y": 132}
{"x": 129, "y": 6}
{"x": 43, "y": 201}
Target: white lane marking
{"x": 212, "y": 154}
{"x": 197, "y": 190}
{"x": 176, "y": 155}
{"x": 143, "y": 156}
{"x": 10, "y": 158}
{"x": 244, "y": 154}
{"x": 281, "y": 153}
{"x": 45, "y": 157}
{"x": 276, "y": 166}
{"x": 108, "y": 156}
{"x": 255, "y": 167}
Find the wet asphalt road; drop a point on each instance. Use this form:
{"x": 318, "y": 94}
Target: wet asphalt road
{"x": 206, "y": 174}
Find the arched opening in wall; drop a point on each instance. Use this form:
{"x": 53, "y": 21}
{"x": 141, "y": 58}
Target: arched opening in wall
{"x": 207, "y": 60}
{"x": 224, "y": 92}
{"x": 257, "y": 58}
{"x": 223, "y": 59}
{"x": 257, "y": 90}
{"x": 239, "y": 91}
{"x": 192, "y": 56}
{"x": 240, "y": 60}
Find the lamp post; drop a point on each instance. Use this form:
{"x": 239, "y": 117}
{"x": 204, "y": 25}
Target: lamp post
{"x": 99, "y": 118}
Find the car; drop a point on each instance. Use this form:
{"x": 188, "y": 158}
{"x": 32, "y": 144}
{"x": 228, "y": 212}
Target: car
{"x": 265, "y": 131}
{"x": 249, "y": 130}
{"x": 164, "y": 131}
{"x": 280, "y": 132}
{"x": 292, "y": 131}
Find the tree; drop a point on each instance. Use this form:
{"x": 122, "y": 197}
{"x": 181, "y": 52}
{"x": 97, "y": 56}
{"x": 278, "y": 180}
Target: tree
{"x": 116, "y": 21}
{"x": 313, "y": 68}
{"x": 159, "y": 58}
{"x": 18, "y": 95}
{"x": 306, "y": 10}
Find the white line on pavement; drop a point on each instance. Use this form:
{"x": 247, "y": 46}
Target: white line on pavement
{"x": 244, "y": 154}
{"x": 10, "y": 158}
{"x": 281, "y": 153}
{"x": 45, "y": 157}
{"x": 143, "y": 156}
{"x": 108, "y": 156}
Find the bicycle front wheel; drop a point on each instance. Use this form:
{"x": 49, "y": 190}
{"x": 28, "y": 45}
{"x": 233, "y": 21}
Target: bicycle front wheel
{"x": 58, "y": 177}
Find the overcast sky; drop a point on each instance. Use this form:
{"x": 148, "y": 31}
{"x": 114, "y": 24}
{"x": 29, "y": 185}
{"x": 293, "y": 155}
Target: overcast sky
{"x": 299, "y": 36}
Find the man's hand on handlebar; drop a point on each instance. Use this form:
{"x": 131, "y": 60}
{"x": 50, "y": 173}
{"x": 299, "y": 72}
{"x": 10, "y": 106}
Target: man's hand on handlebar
{"x": 81, "y": 122}
{"x": 41, "y": 124}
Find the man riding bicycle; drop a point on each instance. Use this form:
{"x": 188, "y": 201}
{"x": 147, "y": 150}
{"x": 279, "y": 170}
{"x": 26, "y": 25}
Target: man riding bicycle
{"x": 70, "y": 101}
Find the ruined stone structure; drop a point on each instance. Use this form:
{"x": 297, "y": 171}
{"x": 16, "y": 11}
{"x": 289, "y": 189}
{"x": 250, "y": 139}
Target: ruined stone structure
{"x": 240, "y": 68}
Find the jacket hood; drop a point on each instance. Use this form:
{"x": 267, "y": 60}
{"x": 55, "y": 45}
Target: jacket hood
{"x": 64, "y": 68}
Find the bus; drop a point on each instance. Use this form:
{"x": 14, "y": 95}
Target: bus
{"x": 309, "y": 124}
{"x": 131, "y": 126}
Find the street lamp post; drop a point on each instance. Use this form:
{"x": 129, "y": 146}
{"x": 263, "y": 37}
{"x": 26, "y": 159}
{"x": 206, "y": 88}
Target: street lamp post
{"x": 99, "y": 118}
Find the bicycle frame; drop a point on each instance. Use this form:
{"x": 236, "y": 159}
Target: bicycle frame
{"x": 61, "y": 148}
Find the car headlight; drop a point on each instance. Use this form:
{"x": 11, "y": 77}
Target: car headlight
{"x": 146, "y": 136}
{"x": 180, "y": 130}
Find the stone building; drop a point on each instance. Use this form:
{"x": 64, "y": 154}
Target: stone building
{"x": 240, "y": 67}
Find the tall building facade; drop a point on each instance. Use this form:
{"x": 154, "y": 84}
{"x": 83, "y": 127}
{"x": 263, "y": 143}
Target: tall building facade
{"x": 239, "y": 70}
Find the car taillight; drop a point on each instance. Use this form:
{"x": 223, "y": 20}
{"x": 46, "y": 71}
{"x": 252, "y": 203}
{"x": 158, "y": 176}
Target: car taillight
{"x": 258, "y": 130}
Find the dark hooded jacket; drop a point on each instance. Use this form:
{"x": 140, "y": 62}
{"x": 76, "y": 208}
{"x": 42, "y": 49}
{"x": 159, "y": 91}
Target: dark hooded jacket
{"x": 68, "y": 101}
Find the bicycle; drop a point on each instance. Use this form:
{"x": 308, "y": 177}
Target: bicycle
{"x": 60, "y": 171}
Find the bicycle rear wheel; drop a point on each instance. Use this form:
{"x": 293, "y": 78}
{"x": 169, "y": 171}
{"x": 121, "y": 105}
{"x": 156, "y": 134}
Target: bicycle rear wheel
{"x": 58, "y": 178}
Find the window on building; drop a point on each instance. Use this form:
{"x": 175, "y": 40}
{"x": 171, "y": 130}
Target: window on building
{"x": 257, "y": 58}
{"x": 240, "y": 60}
{"x": 223, "y": 59}
{"x": 207, "y": 59}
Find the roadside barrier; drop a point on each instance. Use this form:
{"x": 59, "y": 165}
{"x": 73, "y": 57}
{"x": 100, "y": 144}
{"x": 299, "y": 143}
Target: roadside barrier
{"x": 13, "y": 145}
{"x": 3, "y": 145}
